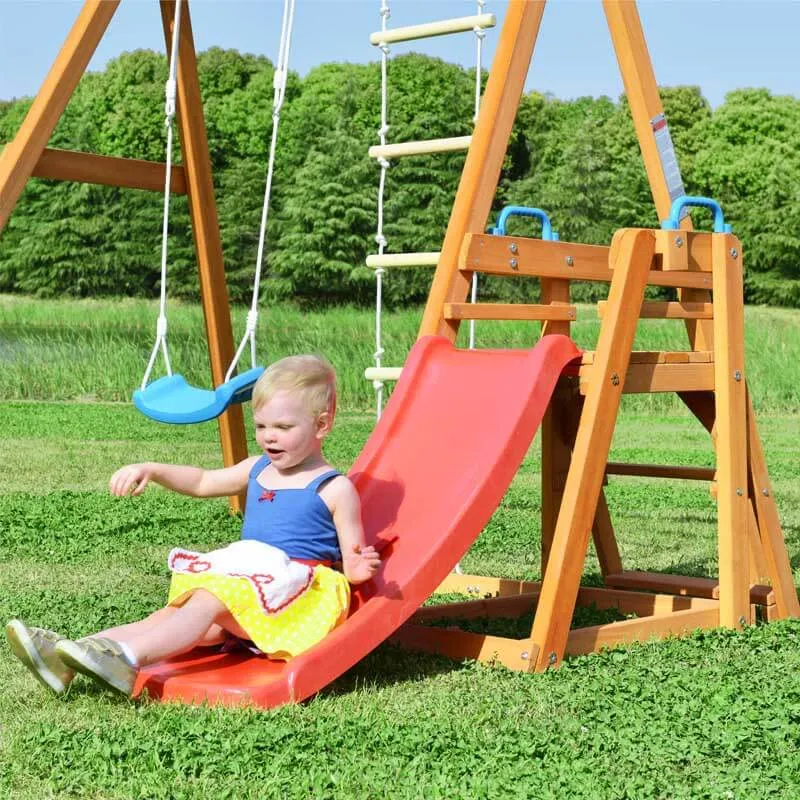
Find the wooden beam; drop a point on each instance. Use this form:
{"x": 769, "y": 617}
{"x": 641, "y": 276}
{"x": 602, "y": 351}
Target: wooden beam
{"x": 205, "y": 227}
{"x": 681, "y": 585}
{"x": 648, "y": 378}
{"x": 669, "y": 310}
{"x": 483, "y": 586}
{"x": 19, "y": 157}
{"x": 590, "y": 640}
{"x": 492, "y": 255}
{"x": 634, "y": 254}
{"x": 509, "y": 311}
{"x": 128, "y": 173}
{"x": 662, "y": 471}
{"x": 478, "y": 183}
{"x": 731, "y": 430}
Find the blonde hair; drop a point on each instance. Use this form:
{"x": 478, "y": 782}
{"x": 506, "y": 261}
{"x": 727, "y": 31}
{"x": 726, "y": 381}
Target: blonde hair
{"x": 311, "y": 376}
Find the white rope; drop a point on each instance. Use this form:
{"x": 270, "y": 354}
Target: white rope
{"x": 380, "y": 238}
{"x": 170, "y": 93}
{"x": 279, "y": 94}
{"x": 480, "y": 35}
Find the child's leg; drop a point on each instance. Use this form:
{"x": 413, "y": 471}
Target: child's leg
{"x": 214, "y": 635}
{"x": 178, "y": 631}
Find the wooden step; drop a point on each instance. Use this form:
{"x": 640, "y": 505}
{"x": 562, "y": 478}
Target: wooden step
{"x": 510, "y": 311}
{"x": 668, "y": 310}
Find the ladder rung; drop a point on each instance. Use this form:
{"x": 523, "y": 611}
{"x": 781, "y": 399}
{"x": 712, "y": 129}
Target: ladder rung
{"x": 562, "y": 313}
{"x": 382, "y": 373}
{"x": 669, "y": 310}
{"x": 403, "y": 260}
{"x": 662, "y": 471}
{"x": 420, "y": 148}
{"x": 428, "y": 29}
{"x": 660, "y": 357}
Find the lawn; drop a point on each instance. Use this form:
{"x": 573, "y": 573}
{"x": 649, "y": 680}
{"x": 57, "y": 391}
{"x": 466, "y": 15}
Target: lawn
{"x": 712, "y": 715}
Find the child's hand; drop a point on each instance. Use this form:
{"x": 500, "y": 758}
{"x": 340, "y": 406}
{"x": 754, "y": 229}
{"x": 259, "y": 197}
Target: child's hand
{"x": 361, "y": 564}
{"x": 132, "y": 479}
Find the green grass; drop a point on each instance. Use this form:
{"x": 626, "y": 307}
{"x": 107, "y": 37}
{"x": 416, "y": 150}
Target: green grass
{"x": 97, "y": 350}
{"x": 714, "y": 715}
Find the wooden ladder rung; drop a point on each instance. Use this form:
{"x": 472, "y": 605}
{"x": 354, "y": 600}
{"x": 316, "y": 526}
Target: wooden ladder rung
{"x": 426, "y": 30}
{"x": 661, "y": 471}
{"x": 660, "y": 357}
{"x": 657, "y": 377}
{"x": 510, "y": 311}
{"x": 398, "y": 260}
{"x": 382, "y": 373}
{"x": 420, "y": 148}
{"x": 669, "y": 310}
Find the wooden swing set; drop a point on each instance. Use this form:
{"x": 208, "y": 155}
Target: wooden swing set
{"x": 755, "y": 576}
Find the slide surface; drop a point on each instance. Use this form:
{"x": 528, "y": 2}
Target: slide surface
{"x": 437, "y": 465}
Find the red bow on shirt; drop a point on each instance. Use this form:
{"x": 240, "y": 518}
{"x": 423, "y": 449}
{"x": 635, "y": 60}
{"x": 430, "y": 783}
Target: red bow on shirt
{"x": 267, "y": 494}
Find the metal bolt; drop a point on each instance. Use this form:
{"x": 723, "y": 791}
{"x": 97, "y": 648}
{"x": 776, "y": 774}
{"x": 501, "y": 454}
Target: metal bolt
{"x": 679, "y": 242}
{"x": 765, "y": 492}
{"x": 742, "y": 621}
{"x": 615, "y": 379}
{"x": 734, "y": 253}
{"x": 552, "y": 659}
{"x": 524, "y": 655}
{"x": 739, "y": 492}
{"x": 570, "y": 261}
{"x": 737, "y": 376}
{"x": 513, "y": 247}
{"x": 513, "y": 263}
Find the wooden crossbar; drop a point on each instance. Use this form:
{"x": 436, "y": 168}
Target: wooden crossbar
{"x": 661, "y": 471}
{"x": 129, "y": 173}
{"x": 669, "y": 310}
{"x": 510, "y": 311}
{"x": 396, "y": 260}
{"x": 493, "y": 255}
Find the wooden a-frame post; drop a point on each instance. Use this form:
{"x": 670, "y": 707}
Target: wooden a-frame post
{"x": 26, "y": 155}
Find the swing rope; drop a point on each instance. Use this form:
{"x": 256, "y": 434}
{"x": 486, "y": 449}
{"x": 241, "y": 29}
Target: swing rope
{"x": 170, "y": 92}
{"x": 380, "y": 238}
{"x": 279, "y": 94}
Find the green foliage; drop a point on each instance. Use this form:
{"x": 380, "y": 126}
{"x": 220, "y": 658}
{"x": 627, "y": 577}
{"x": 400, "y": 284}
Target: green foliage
{"x": 579, "y": 160}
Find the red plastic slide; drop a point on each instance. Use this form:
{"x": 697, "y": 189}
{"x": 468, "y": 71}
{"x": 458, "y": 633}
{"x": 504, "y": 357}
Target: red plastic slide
{"x": 430, "y": 476}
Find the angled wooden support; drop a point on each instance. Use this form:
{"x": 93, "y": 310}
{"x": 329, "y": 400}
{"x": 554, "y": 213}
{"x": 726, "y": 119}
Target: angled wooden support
{"x": 205, "y": 227}
{"x": 21, "y": 155}
{"x": 634, "y": 255}
{"x": 481, "y": 172}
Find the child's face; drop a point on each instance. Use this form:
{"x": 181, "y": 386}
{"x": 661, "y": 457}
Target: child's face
{"x": 287, "y": 431}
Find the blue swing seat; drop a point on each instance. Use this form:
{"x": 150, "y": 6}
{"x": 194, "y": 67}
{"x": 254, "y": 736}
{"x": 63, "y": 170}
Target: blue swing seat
{"x": 171, "y": 399}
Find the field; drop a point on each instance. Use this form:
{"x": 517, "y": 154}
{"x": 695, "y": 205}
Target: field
{"x": 713, "y": 715}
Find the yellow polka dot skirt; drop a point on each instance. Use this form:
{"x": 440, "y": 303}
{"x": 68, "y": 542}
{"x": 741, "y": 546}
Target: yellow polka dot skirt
{"x": 303, "y": 623}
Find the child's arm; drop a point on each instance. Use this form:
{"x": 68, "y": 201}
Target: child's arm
{"x": 194, "y": 481}
{"x": 360, "y": 562}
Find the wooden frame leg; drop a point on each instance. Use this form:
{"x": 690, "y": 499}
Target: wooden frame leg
{"x": 205, "y": 226}
{"x": 632, "y": 254}
{"x": 21, "y": 155}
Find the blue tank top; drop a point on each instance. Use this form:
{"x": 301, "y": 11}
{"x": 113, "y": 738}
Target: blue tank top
{"x": 295, "y": 520}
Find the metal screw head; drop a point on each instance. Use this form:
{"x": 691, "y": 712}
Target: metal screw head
{"x": 765, "y": 492}
{"x": 734, "y": 253}
{"x": 552, "y": 658}
{"x": 524, "y": 655}
{"x": 742, "y": 621}
{"x": 737, "y": 376}
{"x": 513, "y": 247}
{"x": 570, "y": 261}
{"x": 679, "y": 242}
{"x": 513, "y": 263}
{"x": 615, "y": 379}
{"x": 739, "y": 492}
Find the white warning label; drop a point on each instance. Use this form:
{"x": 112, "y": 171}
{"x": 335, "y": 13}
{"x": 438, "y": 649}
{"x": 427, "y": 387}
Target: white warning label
{"x": 669, "y": 163}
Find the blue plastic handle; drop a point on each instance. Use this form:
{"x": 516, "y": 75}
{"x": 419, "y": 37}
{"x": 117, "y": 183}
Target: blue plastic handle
{"x": 679, "y": 203}
{"x": 548, "y": 234}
